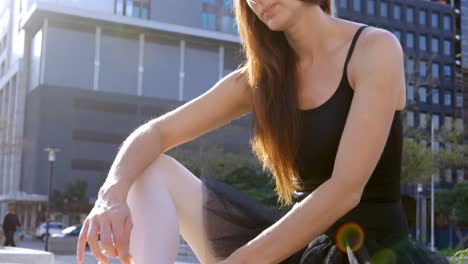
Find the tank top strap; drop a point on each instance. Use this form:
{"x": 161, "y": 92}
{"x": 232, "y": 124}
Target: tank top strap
{"x": 351, "y": 48}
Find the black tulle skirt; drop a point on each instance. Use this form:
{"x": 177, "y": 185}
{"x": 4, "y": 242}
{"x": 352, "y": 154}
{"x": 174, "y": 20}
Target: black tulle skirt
{"x": 370, "y": 233}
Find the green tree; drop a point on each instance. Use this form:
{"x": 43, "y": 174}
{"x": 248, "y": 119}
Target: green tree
{"x": 456, "y": 150}
{"x": 452, "y": 205}
{"x": 72, "y": 199}
{"x": 418, "y": 161}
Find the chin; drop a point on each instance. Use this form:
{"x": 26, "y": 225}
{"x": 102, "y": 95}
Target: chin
{"x": 276, "y": 24}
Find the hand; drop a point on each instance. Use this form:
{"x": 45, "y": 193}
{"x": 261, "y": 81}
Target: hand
{"x": 110, "y": 220}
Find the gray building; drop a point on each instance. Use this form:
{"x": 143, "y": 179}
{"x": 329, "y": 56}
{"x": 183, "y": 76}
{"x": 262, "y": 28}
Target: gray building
{"x": 461, "y": 48}
{"x": 82, "y": 75}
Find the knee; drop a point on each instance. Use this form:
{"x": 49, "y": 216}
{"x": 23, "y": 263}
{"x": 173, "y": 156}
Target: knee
{"x": 154, "y": 175}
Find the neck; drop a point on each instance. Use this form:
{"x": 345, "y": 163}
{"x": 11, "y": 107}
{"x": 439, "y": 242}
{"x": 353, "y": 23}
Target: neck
{"x": 313, "y": 32}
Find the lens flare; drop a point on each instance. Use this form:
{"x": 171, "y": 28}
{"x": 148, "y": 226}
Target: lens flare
{"x": 349, "y": 234}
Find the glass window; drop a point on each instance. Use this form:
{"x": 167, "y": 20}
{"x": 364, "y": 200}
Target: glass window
{"x": 447, "y": 99}
{"x": 371, "y": 7}
{"x": 435, "y": 45}
{"x": 227, "y": 24}
{"x": 435, "y": 70}
{"x": 447, "y": 71}
{"x": 448, "y": 146}
{"x": 447, "y": 47}
{"x": 448, "y": 125}
{"x": 435, "y": 20}
{"x": 422, "y": 120}
{"x": 208, "y": 21}
{"x": 459, "y": 100}
{"x": 436, "y": 150}
{"x": 145, "y": 13}
{"x": 459, "y": 124}
{"x": 422, "y": 42}
{"x": 437, "y": 173}
{"x": 133, "y": 8}
{"x": 410, "y": 65}
{"x": 422, "y": 94}
{"x": 136, "y": 11}
{"x": 410, "y": 92}
{"x": 448, "y": 175}
{"x": 423, "y": 68}
{"x": 423, "y": 143}
{"x": 410, "y": 118}
{"x": 344, "y": 3}
{"x": 435, "y": 96}
{"x": 435, "y": 121}
{"x": 410, "y": 40}
{"x": 447, "y": 23}
{"x": 357, "y": 5}
{"x": 119, "y": 7}
{"x": 422, "y": 17}
{"x": 383, "y": 9}
{"x": 129, "y": 8}
{"x": 410, "y": 15}
{"x": 397, "y": 34}
{"x": 460, "y": 175}
{"x": 397, "y": 12}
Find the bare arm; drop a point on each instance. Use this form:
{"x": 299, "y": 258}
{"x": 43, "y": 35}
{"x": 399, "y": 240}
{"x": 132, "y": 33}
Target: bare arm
{"x": 375, "y": 100}
{"x": 228, "y": 99}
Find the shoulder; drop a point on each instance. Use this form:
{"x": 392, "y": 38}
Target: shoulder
{"x": 377, "y": 51}
{"x": 378, "y": 45}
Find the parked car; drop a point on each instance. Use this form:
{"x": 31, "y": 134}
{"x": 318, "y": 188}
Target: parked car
{"x": 54, "y": 228}
{"x": 71, "y": 231}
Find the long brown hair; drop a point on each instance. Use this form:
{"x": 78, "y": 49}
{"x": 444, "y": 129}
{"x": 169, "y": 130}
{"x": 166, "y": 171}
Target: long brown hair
{"x": 276, "y": 121}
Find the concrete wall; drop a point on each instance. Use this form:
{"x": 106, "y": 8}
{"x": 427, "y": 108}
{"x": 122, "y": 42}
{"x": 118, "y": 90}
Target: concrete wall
{"x": 161, "y": 64}
{"x": 119, "y": 58}
{"x": 105, "y": 6}
{"x": 88, "y": 126}
{"x": 70, "y": 56}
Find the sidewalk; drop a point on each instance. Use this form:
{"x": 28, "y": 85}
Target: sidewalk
{"x": 185, "y": 255}
{"x": 89, "y": 259}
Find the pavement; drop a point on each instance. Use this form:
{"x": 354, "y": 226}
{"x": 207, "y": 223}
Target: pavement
{"x": 185, "y": 254}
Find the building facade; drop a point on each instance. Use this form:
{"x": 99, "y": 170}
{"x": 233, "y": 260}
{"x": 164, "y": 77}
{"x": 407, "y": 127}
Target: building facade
{"x": 427, "y": 33}
{"x": 82, "y": 75}
{"x": 461, "y": 48}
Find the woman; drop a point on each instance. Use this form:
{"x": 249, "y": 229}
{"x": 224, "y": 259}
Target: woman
{"x": 328, "y": 128}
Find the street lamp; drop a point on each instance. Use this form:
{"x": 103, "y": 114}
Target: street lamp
{"x": 51, "y": 152}
{"x": 418, "y": 209}
{"x": 432, "y": 188}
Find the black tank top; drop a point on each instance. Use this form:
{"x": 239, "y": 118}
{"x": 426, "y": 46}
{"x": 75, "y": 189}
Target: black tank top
{"x": 323, "y": 126}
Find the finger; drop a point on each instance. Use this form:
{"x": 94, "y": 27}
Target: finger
{"x": 82, "y": 238}
{"x": 106, "y": 240}
{"x": 93, "y": 243}
{"x": 122, "y": 241}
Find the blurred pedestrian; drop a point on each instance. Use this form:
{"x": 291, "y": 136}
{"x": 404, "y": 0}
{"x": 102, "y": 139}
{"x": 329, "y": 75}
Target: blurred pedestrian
{"x": 10, "y": 222}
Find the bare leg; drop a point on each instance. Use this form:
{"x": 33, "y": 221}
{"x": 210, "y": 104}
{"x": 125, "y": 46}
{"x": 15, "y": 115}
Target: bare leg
{"x": 165, "y": 200}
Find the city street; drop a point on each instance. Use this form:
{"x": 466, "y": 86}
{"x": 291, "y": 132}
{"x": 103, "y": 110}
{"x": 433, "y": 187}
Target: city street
{"x": 89, "y": 259}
